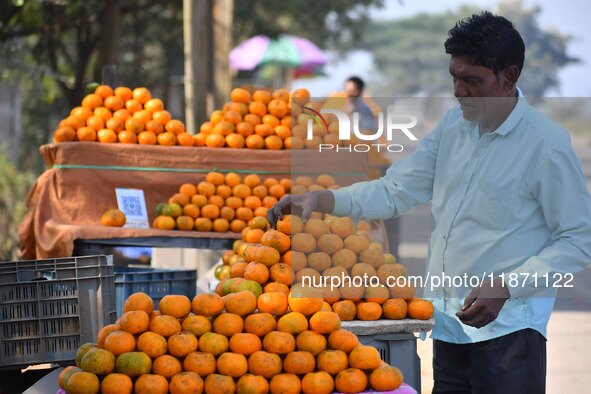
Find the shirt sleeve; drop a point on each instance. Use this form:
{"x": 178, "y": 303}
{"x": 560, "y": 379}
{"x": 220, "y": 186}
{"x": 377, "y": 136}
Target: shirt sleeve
{"x": 407, "y": 183}
{"x": 561, "y": 190}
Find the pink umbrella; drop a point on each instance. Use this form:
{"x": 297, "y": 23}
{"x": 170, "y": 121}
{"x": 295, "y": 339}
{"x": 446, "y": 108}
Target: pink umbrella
{"x": 287, "y": 51}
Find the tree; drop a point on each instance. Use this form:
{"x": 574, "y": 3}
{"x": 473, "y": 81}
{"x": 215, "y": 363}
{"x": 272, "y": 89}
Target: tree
{"x": 325, "y": 22}
{"x": 410, "y": 57}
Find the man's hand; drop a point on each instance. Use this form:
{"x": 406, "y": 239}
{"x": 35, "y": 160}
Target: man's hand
{"x": 302, "y": 205}
{"x": 483, "y": 304}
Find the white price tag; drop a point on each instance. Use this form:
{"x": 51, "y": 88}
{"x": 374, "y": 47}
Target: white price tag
{"x": 133, "y": 204}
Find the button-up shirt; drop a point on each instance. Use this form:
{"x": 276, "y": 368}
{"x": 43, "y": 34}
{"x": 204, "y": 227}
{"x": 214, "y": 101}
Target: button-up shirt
{"x": 513, "y": 201}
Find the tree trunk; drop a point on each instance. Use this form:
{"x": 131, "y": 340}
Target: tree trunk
{"x": 109, "y": 41}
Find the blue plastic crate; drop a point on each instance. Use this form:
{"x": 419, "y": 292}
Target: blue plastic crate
{"x": 154, "y": 282}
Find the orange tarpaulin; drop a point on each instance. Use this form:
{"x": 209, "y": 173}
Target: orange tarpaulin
{"x": 67, "y": 201}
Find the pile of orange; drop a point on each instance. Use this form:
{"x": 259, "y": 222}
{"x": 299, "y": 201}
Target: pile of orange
{"x": 311, "y": 253}
{"x": 240, "y": 343}
{"x": 263, "y": 120}
{"x": 122, "y": 115}
{"x": 222, "y": 203}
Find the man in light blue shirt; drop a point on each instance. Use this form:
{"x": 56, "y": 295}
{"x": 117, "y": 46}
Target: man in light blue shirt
{"x": 509, "y": 204}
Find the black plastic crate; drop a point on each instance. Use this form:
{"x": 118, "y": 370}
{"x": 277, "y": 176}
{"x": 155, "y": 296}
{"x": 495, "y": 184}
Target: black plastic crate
{"x": 48, "y": 308}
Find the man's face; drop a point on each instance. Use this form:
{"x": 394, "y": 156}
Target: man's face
{"x": 472, "y": 85}
{"x": 351, "y": 89}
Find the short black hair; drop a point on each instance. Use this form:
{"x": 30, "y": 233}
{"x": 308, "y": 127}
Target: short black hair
{"x": 358, "y": 82}
{"x": 489, "y": 40}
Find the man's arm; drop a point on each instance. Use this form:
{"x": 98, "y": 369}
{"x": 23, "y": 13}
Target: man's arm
{"x": 560, "y": 187}
{"x": 407, "y": 183}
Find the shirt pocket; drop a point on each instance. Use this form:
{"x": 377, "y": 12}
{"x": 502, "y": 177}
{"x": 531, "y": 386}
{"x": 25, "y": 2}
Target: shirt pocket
{"x": 495, "y": 207}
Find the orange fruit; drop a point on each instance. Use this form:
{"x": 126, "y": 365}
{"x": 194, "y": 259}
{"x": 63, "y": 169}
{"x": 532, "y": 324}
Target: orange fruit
{"x": 236, "y": 141}
{"x": 124, "y": 93}
{"x": 277, "y": 108}
{"x": 232, "y": 364}
{"x": 385, "y": 378}
{"x": 82, "y": 382}
{"x": 253, "y": 119}
{"x": 86, "y": 134}
{"x": 282, "y": 131}
{"x": 82, "y": 113}
{"x": 186, "y": 382}
{"x": 293, "y": 323}
{"x": 135, "y": 322}
{"x": 96, "y": 122}
{"x": 265, "y": 364}
{"x": 72, "y": 121}
{"x": 233, "y": 117}
{"x": 219, "y": 384}
{"x": 165, "y": 325}
{"x": 257, "y": 108}
{"x": 139, "y": 302}
{"x": 317, "y": 383}
{"x": 395, "y": 308}
{"x": 122, "y": 115}
{"x": 215, "y": 141}
{"x": 242, "y": 303}
{"x": 299, "y": 363}
{"x": 134, "y": 125}
{"x": 278, "y": 342}
{"x": 175, "y": 126}
{"x": 245, "y": 343}
{"x": 274, "y": 142}
{"x": 199, "y": 139}
{"x": 240, "y": 95}
{"x": 224, "y": 191}
{"x": 104, "y": 332}
{"x": 420, "y": 309}
{"x": 207, "y": 305}
{"x": 114, "y": 103}
{"x": 161, "y": 116}
{"x": 166, "y": 139}
{"x": 143, "y": 115}
{"x": 182, "y": 343}
{"x": 255, "y": 141}
{"x": 113, "y": 218}
{"x": 142, "y": 95}
{"x": 263, "y": 130}
{"x": 273, "y": 303}
{"x": 221, "y": 225}
{"x": 147, "y": 138}
{"x": 177, "y": 306}
{"x": 185, "y": 139}
{"x": 151, "y": 384}
{"x": 154, "y": 105}
{"x": 281, "y": 94}
{"x": 132, "y": 106}
{"x": 332, "y": 361}
{"x": 285, "y": 383}
{"x": 364, "y": 357}
{"x": 351, "y": 380}
{"x": 259, "y": 324}
{"x": 92, "y": 101}
{"x": 200, "y": 363}
{"x": 343, "y": 340}
{"x": 116, "y": 383}
{"x": 262, "y": 96}
{"x": 245, "y": 129}
{"x": 106, "y": 136}
{"x": 127, "y": 137}
{"x": 154, "y": 345}
{"x": 115, "y": 124}
{"x": 311, "y": 341}
{"x": 213, "y": 343}
{"x": 119, "y": 342}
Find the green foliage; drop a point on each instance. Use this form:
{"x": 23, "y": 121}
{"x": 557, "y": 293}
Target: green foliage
{"x": 325, "y": 22}
{"x": 14, "y": 186}
{"x": 410, "y": 56}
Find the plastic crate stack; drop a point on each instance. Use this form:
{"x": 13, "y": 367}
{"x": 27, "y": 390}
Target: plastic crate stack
{"x": 48, "y": 308}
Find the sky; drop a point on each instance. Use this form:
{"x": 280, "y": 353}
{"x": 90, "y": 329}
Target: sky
{"x": 566, "y": 16}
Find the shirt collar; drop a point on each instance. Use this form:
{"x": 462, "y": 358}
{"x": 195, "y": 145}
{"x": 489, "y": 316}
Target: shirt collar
{"x": 514, "y": 117}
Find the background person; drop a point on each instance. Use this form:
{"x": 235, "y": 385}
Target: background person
{"x": 508, "y": 197}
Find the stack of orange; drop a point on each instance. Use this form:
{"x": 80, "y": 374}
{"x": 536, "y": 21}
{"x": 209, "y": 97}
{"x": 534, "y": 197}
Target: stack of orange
{"x": 122, "y": 115}
{"x": 222, "y": 203}
{"x": 325, "y": 246}
{"x": 261, "y": 120}
{"x": 240, "y": 343}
